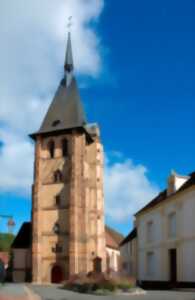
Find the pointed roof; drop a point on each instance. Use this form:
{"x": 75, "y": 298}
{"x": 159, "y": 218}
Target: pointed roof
{"x": 66, "y": 110}
{"x": 69, "y": 65}
{"x": 23, "y": 240}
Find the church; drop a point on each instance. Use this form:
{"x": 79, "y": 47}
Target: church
{"x": 67, "y": 234}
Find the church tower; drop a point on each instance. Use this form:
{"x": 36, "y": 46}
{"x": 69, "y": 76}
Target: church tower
{"x": 68, "y": 231}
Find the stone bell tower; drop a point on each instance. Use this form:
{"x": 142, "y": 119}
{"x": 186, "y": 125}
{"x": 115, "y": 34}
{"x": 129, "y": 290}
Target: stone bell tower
{"x": 67, "y": 196}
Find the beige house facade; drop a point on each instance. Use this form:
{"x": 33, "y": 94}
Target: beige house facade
{"x": 166, "y": 235}
{"x": 128, "y": 253}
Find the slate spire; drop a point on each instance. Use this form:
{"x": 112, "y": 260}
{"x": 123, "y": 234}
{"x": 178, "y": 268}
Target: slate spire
{"x": 66, "y": 110}
{"x": 69, "y": 65}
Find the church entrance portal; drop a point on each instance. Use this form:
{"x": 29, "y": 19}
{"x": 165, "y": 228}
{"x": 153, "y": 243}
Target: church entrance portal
{"x": 57, "y": 274}
{"x": 97, "y": 265}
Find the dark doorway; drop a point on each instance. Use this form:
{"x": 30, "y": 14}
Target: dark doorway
{"x": 173, "y": 265}
{"x": 107, "y": 262}
{"x": 97, "y": 265}
{"x": 56, "y": 275}
{"x": 2, "y": 271}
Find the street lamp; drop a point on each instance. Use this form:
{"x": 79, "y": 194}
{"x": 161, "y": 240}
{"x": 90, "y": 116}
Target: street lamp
{"x": 10, "y": 223}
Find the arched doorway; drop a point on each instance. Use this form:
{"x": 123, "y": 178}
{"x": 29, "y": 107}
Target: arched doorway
{"x": 57, "y": 274}
{"x": 97, "y": 264}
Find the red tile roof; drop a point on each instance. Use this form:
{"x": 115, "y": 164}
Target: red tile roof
{"x": 113, "y": 238}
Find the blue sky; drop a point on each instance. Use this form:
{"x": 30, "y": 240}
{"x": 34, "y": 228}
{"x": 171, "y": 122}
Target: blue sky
{"x": 143, "y": 98}
{"x": 150, "y": 110}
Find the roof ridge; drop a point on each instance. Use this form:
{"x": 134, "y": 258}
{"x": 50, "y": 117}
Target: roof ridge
{"x": 162, "y": 196}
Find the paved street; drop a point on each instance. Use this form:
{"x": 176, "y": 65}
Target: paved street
{"x": 51, "y": 293}
{"x": 55, "y": 293}
{"x": 17, "y": 292}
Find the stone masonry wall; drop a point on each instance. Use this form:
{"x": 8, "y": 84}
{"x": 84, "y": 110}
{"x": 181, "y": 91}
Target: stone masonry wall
{"x": 81, "y": 210}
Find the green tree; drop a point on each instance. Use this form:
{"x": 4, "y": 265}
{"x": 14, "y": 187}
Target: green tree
{"x": 6, "y": 240}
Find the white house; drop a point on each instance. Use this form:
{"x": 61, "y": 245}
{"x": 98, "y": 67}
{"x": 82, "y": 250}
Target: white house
{"x": 113, "y": 256}
{"x": 128, "y": 250}
{"x": 166, "y": 235}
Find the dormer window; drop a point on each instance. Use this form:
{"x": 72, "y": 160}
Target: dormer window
{"x": 175, "y": 181}
{"x": 51, "y": 149}
{"x": 56, "y": 123}
{"x": 64, "y": 148}
{"x": 58, "y": 176}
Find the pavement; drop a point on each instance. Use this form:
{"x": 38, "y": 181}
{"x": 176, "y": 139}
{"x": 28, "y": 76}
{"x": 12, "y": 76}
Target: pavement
{"x": 51, "y": 293}
{"x": 17, "y": 292}
{"x": 35, "y": 292}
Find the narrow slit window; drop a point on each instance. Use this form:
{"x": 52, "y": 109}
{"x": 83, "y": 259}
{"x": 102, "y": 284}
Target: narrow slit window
{"x": 51, "y": 149}
{"x": 58, "y": 176}
{"x": 64, "y": 147}
{"x": 57, "y": 200}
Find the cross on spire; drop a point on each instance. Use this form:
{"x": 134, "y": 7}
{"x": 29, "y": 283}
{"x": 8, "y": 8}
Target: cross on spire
{"x": 70, "y": 23}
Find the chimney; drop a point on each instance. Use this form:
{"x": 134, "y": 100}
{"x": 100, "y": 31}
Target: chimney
{"x": 175, "y": 182}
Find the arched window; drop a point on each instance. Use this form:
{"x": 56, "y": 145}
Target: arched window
{"x": 57, "y": 176}
{"x": 51, "y": 149}
{"x": 64, "y": 147}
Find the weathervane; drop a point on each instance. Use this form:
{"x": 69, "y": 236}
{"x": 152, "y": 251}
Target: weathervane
{"x": 70, "y": 23}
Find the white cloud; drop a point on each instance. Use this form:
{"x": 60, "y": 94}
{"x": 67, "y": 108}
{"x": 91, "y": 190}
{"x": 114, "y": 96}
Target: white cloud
{"x": 16, "y": 160}
{"x": 127, "y": 189}
{"x": 33, "y": 38}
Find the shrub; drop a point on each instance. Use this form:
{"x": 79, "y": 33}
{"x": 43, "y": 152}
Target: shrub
{"x": 98, "y": 282}
{"x": 125, "y": 283}
{"x": 108, "y": 285}
{"x": 125, "y": 286}
{"x": 84, "y": 288}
